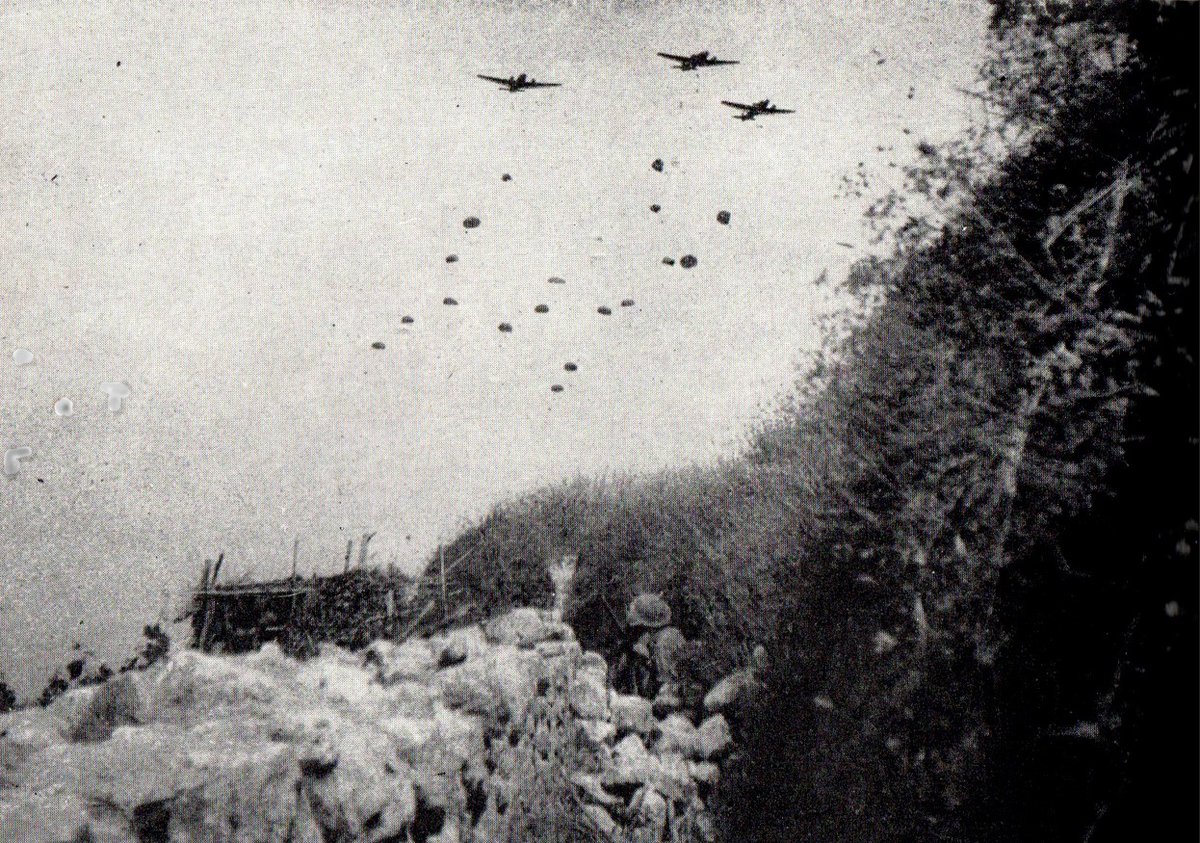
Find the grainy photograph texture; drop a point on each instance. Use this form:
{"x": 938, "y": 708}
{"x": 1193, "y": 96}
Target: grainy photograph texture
{"x": 673, "y": 421}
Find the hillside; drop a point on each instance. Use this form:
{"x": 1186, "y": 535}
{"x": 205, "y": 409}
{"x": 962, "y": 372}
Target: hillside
{"x": 968, "y": 539}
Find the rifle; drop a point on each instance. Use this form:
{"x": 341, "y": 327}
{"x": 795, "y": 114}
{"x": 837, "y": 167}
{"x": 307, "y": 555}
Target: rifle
{"x": 614, "y": 618}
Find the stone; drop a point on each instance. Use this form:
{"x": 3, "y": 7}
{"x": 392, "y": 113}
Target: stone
{"x": 519, "y": 628}
{"x": 197, "y": 686}
{"x": 458, "y": 737}
{"x": 368, "y": 795}
{"x": 675, "y": 779}
{"x": 601, "y": 822}
{"x": 395, "y": 663}
{"x": 677, "y": 734}
{"x": 53, "y": 817}
{"x": 453, "y": 653}
{"x": 588, "y": 691}
{"x": 593, "y": 792}
{"x": 12, "y": 757}
{"x": 470, "y": 638}
{"x": 631, "y": 764}
{"x": 499, "y": 684}
{"x": 338, "y": 678}
{"x": 437, "y": 793}
{"x": 667, "y": 700}
{"x": 413, "y": 737}
{"x": 559, "y": 649}
{"x": 597, "y": 733}
{"x": 631, "y": 714}
{"x": 650, "y": 816}
{"x": 216, "y": 781}
{"x": 448, "y": 834}
{"x": 121, "y": 701}
{"x": 715, "y": 737}
{"x": 730, "y": 691}
{"x": 409, "y": 698}
{"x": 30, "y": 730}
{"x": 704, "y": 773}
{"x": 70, "y": 706}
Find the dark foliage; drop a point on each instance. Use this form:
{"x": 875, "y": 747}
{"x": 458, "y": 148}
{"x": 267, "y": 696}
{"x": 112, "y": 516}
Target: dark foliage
{"x": 1015, "y": 491}
{"x": 54, "y": 689}
{"x": 156, "y": 648}
{"x": 351, "y": 610}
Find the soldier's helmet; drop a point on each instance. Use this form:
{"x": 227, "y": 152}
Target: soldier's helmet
{"x": 648, "y": 610}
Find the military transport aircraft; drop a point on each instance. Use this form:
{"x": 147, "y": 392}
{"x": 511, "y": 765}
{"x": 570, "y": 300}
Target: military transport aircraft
{"x": 696, "y": 60}
{"x": 519, "y": 83}
{"x": 749, "y": 112}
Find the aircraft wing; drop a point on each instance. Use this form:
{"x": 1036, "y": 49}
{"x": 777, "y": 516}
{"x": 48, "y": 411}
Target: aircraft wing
{"x": 542, "y": 85}
{"x": 779, "y": 111}
{"x": 493, "y": 79}
{"x": 740, "y": 105}
{"x": 673, "y": 57}
{"x": 721, "y": 61}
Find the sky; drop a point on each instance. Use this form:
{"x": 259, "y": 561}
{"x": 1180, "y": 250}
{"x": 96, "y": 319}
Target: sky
{"x": 226, "y": 211}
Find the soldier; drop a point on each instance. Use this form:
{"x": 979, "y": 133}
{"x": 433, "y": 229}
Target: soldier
{"x": 650, "y": 662}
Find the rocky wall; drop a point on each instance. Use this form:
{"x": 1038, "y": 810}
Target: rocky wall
{"x": 438, "y": 740}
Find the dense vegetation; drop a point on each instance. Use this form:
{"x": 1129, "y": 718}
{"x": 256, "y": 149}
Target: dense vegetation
{"x": 971, "y": 536}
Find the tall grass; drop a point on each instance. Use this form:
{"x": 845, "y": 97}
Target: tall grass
{"x": 711, "y": 540}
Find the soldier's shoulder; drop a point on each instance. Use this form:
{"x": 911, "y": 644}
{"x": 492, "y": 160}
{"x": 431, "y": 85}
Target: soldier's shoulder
{"x": 670, "y": 635}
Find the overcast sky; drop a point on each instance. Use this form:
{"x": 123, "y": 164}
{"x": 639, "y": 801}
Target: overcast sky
{"x": 225, "y": 212}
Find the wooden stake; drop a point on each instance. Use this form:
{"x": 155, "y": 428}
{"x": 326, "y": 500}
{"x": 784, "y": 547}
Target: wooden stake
{"x": 203, "y": 610}
{"x": 362, "y": 548}
{"x": 209, "y": 608}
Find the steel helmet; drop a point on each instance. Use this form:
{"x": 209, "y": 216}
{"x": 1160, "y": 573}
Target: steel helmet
{"x": 648, "y": 610}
